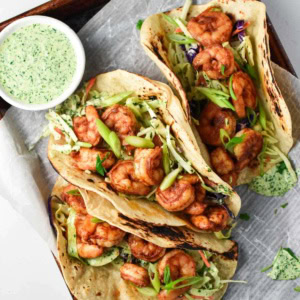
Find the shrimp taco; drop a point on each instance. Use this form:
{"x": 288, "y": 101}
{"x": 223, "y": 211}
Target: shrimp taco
{"x": 100, "y": 260}
{"x": 217, "y": 58}
{"x": 126, "y": 138}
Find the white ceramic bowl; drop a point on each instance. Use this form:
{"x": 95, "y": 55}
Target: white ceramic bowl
{"x": 79, "y": 53}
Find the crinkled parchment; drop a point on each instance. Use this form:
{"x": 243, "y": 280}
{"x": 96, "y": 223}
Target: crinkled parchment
{"x": 111, "y": 41}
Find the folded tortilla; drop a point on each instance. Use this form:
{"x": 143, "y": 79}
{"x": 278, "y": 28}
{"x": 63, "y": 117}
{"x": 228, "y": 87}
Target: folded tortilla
{"x": 155, "y": 43}
{"x": 173, "y": 115}
{"x": 89, "y": 283}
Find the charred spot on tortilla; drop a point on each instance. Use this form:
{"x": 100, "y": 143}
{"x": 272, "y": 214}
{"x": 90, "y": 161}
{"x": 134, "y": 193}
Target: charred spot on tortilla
{"x": 90, "y": 180}
{"x": 232, "y": 254}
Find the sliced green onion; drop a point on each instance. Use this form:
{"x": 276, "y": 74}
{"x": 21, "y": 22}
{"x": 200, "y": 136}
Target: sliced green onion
{"x": 154, "y": 277}
{"x": 139, "y": 142}
{"x": 110, "y": 137}
{"x": 224, "y": 134}
{"x": 167, "y": 274}
{"x": 170, "y": 20}
{"x": 74, "y": 192}
{"x": 216, "y": 9}
{"x": 84, "y": 144}
{"x": 181, "y": 39}
{"x": 222, "y": 235}
{"x": 115, "y": 99}
{"x": 232, "y": 94}
{"x": 218, "y": 97}
{"x": 173, "y": 285}
{"x": 185, "y": 9}
{"x": 262, "y": 116}
{"x": 251, "y": 70}
{"x": 231, "y": 143}
{"x": 251, "y": 114}
{"x": 183, "y": 28}
{"x": 147, "y": 291}
{"x": 170, "y": 179}
{"x": 166, "y": 159}
{"x": 223, "y": 67}
{"x": 96, "y": 220}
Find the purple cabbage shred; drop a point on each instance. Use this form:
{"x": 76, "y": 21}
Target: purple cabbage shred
{"x": 191, "y": 53}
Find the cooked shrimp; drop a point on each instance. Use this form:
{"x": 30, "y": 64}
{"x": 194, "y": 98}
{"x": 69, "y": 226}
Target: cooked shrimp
{"x": 86, "y": 158}
{"x": 84, "y": 226}
{"x": 75, "y": 201}
{"x": 136, "y": 274}
{"x": 122, "y": 120}
{"x": 231, "y": 178}
{"x": 144, "y": 250}
{"x": 123, "y": 179}
{"x": 178, "y": 196}
{"x": 85, "y": 127}
{"x": 249, "y": 148}
{"x": 245, "y": 93}
{"x": 221, "y": 161}
{"x": 212, "y": 119}
{"x": 107, "y": 235}
{"x": 210, "y": 28}
{"x": 86, "y": 250}
{"x": 215, "y": 218}
{"x": 198, "y": 206}
{"x": 148, "y": 165}
{"x": 180, "y": 263}
{"x": 216, "y": 61}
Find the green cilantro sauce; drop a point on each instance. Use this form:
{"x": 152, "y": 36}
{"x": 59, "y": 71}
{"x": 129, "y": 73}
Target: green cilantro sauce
{"x": 276, "y": 182}
{"x": 37, "y": 63}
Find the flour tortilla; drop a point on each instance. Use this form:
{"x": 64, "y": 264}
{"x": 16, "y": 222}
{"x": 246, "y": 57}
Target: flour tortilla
{"x": 138, "y": 209}
{"x": 154, "y": 40}
{"x": 89, "y": 283}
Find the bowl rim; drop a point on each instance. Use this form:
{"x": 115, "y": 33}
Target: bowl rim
{"x": 79, "y": 54}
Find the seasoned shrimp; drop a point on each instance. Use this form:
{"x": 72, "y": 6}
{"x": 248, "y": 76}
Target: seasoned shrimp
{"x": 123, "y": 179}
{"x": 85, "y": 127}
{"x": 148, "y": 165}
{"x": 178, "y": 196}
{"x": 107, "y": 235}
{"x": 221, "y": 161}
{"x": 84, "y": 226}
{"x": 216, "y": 61}
{"x": 210, "y": 28}
{"x": 136, "y": 274}
{"x": 122, "y": 120}
{"x": 75, "y": 201}
{"x": 173, "y": 294}
{"x": 245, "y": 93}
{"x": 180, "y": 263}
{"x": 145, "y": 250}
{"x": 249, "y": 148}
{"x": 198, "y": 206}
{"x": 212, "y": 119}
{"x": 231, "y": 178}
{"x": 86, "y": 158}
{"x": 86, "y": 250}
{"x": 215, "y": 218}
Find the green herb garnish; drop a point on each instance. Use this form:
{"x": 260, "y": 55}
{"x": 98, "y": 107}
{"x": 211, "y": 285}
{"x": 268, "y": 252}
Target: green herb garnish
{"x": 281, "y": 167}
{"x": 173, "y": 285}
{"x": 167, "y": 275}
{"x": 74, "y": 192}
{"x": 181, "y": 39}
{"x": 229, "y": 143}
{"x": 96, "y": 220}
{"x": 284, "y": 205}
{"x": 99, "y": 167}
{"x": 170, "y": 20}
{"x": 139, "y": 24}
{"x": 297, "y": 289}
{"x": 244, "y": 217}
{"x": 223, "y": 67}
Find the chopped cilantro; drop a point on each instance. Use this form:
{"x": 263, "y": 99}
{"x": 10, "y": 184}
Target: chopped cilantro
{"x": 99, "y": 167}
{"x": 139, "y": 24}
{"x": 284, "y": 205}
{"x": 244, "y": 217}
{"x": 297, "y": 289}
{"x": 74, "y": 192}
{"x": 281, "y": 167}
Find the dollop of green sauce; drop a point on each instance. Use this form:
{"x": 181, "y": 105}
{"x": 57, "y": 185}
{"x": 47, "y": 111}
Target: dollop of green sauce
{"x": 37, "y": 63}
{"x": 276, "y": 182}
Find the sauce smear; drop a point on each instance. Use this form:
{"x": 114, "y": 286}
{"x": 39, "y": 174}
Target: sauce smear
{"x": 37, "y": 63}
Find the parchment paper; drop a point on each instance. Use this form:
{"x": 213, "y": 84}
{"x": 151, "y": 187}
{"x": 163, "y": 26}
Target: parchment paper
{"x": 111, "y": 41}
